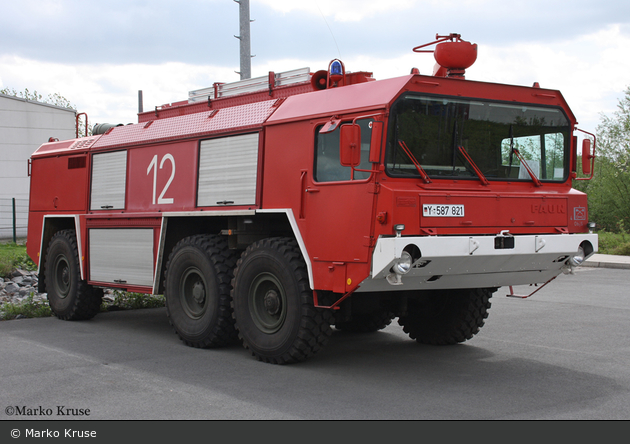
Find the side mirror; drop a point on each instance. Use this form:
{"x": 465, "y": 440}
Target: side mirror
{"x": 586, "y": 156}
{"x": 350, "y": 145}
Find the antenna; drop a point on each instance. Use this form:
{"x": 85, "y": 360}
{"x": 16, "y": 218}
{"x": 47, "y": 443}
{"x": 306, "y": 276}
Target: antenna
{"x": 331, "y": 33}
{"x": 246, "y": 56}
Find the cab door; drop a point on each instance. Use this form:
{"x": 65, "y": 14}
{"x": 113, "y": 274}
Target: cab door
{"x": 337, "y": 206}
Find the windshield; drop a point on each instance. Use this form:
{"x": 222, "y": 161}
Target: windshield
{"x": 439, "y": 131}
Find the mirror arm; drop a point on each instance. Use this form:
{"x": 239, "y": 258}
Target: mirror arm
{"x": 591, "y": 157}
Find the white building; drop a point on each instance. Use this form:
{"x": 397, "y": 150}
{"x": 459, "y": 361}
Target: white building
{"x": 24, "y": 126}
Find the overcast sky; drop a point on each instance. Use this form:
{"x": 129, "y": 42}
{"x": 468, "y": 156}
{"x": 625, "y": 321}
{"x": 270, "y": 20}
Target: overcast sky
{"x": 98, "y": 54}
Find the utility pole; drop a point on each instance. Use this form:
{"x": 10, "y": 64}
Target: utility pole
{"x": 246, "y": 56}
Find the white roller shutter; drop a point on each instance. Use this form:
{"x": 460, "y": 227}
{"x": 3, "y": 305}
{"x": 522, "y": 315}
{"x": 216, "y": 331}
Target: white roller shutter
{"x": 109, "y": 177}
{"x": 121, "y": 255}
{"x": 227, "y": 171}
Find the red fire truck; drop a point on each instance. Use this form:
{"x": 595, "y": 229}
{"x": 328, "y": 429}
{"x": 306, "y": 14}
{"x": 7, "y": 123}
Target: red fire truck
{"x": 271, "y": 209}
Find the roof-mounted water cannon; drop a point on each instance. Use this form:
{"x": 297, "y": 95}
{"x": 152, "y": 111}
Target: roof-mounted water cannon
{"x": 452, "y": 54}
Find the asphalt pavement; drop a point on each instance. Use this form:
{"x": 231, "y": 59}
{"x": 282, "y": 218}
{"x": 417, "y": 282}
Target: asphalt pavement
{"x": 562, "y": 354}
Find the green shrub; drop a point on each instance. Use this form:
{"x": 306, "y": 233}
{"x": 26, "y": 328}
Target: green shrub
{"x": 614, "y": 243}
{"x": 133, "y": 301}
{"x": 14, "y": 256}
{"x": 27, "y": 308}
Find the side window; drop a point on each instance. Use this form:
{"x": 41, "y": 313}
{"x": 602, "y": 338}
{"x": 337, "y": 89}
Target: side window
{"x": 327, "y": 165}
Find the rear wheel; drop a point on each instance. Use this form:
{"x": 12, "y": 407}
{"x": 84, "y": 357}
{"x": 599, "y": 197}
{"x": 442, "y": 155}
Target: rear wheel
{"x": 446, "y": 317}
{"x": 197, "y": 291}
{"x": 69, "y": 297}
{"x": 273, "y": 304}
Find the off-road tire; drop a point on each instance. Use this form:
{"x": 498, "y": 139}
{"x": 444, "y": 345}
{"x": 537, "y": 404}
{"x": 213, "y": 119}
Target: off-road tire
{"x": 366, "y": 322}
{"x": 69, "y": 297}
{"x": 273, "y": 304}
{"x": 446, "y": 317}
{"x": 197, "y": 290}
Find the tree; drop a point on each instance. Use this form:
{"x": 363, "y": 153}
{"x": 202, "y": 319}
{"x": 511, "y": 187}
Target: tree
{"x": 609, "y": 191}
{"x": 52, "y": 99}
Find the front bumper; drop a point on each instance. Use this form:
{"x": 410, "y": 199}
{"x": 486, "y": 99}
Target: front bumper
{"x": 447, "y": 262}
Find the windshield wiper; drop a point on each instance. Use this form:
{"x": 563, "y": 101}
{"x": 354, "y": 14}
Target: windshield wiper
{"x": 514, "y": 150}
{"x": 511, "y": 149}
{"x": 482, "y": 178}
{"x": 455, "y": 145}
{"x": 527, "y": 167}
{"x": 423, "y": 174}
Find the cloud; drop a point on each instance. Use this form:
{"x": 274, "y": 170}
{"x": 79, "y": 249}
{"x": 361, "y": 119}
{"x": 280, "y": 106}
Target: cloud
{"x": 341, "y": 11}
{"x": 108, "y": 92}
{"x": 577, "y": 67}
{"x": 121, "y": 31}
{"x": 99, "y": 54}
{"x": 202, "y": 31}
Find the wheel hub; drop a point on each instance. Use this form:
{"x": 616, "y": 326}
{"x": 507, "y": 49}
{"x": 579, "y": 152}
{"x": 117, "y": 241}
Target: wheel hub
{"x": 65, "y": 276}
{"x": 193, "y": 293}
{"x": 268, "y": 303}
{"x": 62, "y": 277}
{"x": 199, "y": 292}
{"x": 272, "y": 302}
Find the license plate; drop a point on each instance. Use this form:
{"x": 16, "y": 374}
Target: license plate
{"x": 442, "y": 210}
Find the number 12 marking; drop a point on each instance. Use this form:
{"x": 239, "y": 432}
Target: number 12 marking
{"x": 161, "y": 199}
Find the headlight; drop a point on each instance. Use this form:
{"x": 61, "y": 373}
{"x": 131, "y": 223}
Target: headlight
{"x": 577, "y": 258}
{"x": 403, "y": 265}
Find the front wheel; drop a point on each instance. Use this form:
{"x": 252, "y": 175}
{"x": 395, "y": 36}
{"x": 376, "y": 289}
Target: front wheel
{"x": 273, "y": 304}
{"x": 446, "y": 317}
{"x": 69, "y": 297}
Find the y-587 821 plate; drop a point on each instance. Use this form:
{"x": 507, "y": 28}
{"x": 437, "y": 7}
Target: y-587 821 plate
{"x": 438, "y": 210}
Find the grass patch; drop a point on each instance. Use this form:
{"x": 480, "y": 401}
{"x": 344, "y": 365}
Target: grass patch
{"x": 614, "y": 243}
{"x": 133, "y": 301}
{"x": 28, "y": 308}
{"x": 14, "y": 256}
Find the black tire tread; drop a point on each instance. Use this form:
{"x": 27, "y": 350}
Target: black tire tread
{"x": 314, "y": 331}
{"x": 461, "y": 316}
{"x": 87, "y": 302}
{"x": 366, "y": 322}
{"x": 216, "y": 248}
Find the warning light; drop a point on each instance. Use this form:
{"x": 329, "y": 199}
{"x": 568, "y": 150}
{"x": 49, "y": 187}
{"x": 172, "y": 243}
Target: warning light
{"x": 335, "y": 68}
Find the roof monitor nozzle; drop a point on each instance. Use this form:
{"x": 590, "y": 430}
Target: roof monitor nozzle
{"x": 452, "y": 54}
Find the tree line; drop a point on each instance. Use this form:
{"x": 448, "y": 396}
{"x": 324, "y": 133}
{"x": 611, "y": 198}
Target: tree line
{"x": 609, "y": 190}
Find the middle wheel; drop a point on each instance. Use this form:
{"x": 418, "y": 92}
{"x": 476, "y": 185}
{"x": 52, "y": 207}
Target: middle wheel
{"x": 273, "y": 304}
{"x": 197, "y": 291}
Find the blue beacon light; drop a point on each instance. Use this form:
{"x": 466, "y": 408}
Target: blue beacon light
{"x": 335, "y": 68}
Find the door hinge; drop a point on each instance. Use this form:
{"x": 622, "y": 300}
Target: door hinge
{"x": 374, "y": 188}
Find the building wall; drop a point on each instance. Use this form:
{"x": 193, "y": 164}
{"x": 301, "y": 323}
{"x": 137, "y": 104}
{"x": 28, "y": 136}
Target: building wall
{"x": 24, "y": 126}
